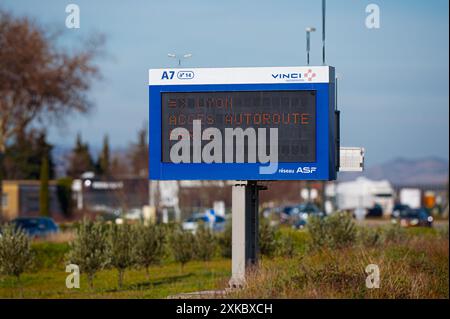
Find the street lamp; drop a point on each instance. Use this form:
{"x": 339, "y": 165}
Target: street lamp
{"x": 308, "y": 40}
{"x": 179, "y": 57}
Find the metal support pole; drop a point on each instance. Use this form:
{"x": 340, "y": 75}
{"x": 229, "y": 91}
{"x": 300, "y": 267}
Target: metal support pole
{"x": 245, "y": 223}
{"x": 251, "y": 223}
{"x": 323, "y": 30}
{"x": 307, "y": 47}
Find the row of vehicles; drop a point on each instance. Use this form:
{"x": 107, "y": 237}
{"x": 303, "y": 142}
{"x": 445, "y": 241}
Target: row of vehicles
{"x": 216, "y": 223}
{"x": 298, "y": 215}
{"x": 295, "y": 215}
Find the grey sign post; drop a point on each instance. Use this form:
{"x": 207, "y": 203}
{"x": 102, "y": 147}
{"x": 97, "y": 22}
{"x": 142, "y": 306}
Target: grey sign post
{"x": 245, "y": 223}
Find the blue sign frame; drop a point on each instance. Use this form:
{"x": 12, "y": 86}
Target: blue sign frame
{"x": 325, "y": 164}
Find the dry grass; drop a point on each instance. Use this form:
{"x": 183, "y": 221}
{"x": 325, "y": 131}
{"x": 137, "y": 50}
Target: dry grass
{"x": 61, "y": 237}
{"x": 414, "y": 268}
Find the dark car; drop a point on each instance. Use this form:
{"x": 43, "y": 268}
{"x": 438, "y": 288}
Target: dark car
{"x": 399, "y": 208}
{"x": 303, "y": 212}
{"x": 286, "y": 214}
{"x": 413, "y": 217}
{"x": 36, "y": 226}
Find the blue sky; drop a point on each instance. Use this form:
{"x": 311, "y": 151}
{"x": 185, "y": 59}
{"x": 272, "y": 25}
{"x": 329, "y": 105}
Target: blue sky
{"x": 393, "y": 94}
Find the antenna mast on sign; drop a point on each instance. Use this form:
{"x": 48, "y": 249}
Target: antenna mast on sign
{"x": 323, "y": 30}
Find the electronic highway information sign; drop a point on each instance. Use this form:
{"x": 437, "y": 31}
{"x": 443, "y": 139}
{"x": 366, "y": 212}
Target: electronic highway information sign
{"x": 242, "y": 124}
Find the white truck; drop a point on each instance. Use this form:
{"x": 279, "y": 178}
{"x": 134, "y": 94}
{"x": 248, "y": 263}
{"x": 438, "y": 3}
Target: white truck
{"x": 411, "y": 197}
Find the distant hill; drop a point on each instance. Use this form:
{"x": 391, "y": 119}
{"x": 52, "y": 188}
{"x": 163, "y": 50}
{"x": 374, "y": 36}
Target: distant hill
{"x": 406, "y": 172}
{"x": 428, "y": 171}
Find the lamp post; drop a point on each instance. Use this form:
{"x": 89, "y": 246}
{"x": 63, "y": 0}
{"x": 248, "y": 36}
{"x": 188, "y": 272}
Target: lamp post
{"x": 308, "y": 42}
{"x": 179, "y": 57}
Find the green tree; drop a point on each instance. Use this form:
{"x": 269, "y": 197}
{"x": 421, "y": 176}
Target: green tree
{"x": 80, "y": 160}
{"x": 23, "y": 158}
{"x": 122, "y": 252}
{"x": 44, "y": 199}
{"x": 15, "y": 251}
{"x": 150, "y": 245}
{"x": 103, "y": 166}
{"x": 182, "y": 246}
{"x": 90, "y": 248}
{"x": 139, "y": 154}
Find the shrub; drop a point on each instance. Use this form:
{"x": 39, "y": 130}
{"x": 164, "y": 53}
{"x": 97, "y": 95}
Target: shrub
{"x": 182, "y": 245}
{"x": 369, "y": 236}
{"x": 394, "y": 234}
{"x": 443, "y": 232}
{"x": 335, "y": 231}
{"x": 150, "y": 245}
{"x": 267, "y": 238}
{"x": 205, "y": 243}
{"x": 89, "y": 250}
{"x": 286, "y": 246}
{"x": 122, "y": 249}
{"x": 15, "y": 251}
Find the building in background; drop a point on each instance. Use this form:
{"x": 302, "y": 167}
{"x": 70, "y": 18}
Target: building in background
{"x": 110, "y": 195}
{"x": 20, "y": 198}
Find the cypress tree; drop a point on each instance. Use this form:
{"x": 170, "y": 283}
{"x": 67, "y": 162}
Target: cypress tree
{"x": 43, "y": 191}
{"x": 103, "y": 165}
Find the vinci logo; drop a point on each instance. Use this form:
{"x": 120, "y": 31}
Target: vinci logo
{"x": 310, "y": 75}
{"x": 288, "y": 76}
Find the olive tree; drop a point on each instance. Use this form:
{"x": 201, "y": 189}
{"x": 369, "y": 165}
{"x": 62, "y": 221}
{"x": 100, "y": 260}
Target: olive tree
{"x": 89, "y": 250}
{"x": 150, "y": 245}
{"x": 15, "y": 251}
{"x": 182, "y": 244}
{"x": 205, "y": 243}
{"x": 122, "y": 248}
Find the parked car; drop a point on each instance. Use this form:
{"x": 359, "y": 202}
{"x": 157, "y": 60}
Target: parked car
{"x": 287, "y": 213}
{"x": 273, "y": 214}
{"x": 413, "y": 217}
{"x": 36, "y": 226}
{"x": 303, "y": 212}
{"x": 399, "y": 208}
{"x": 217, "y": 224}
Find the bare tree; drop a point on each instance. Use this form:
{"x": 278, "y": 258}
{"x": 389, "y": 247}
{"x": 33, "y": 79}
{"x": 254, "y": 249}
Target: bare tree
{"x": 39, "y": 80}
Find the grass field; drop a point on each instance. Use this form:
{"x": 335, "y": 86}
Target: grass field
{"x": 164, "y": 281}
{"x": 413, "y": 264}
